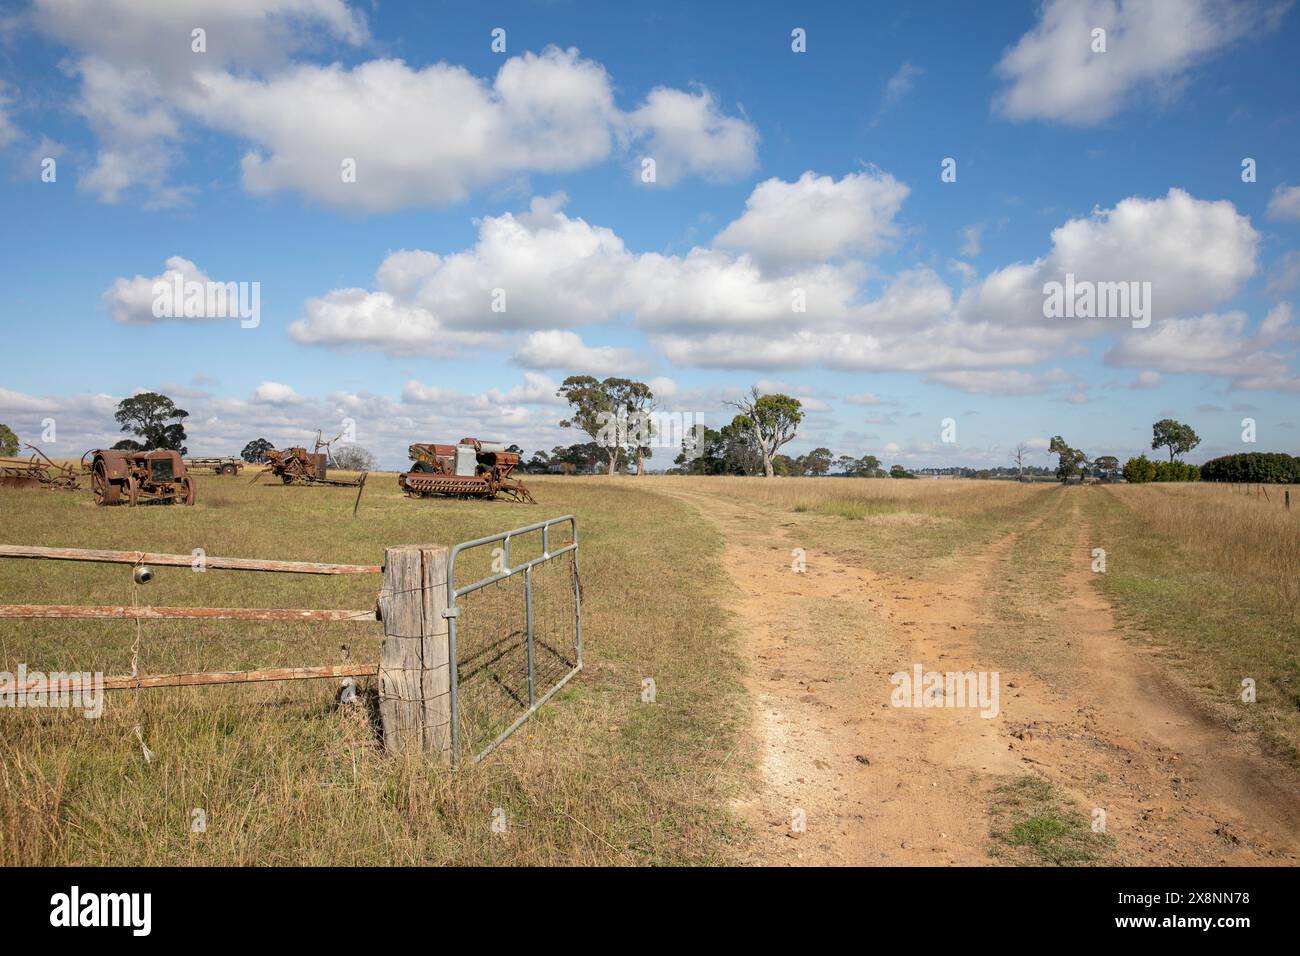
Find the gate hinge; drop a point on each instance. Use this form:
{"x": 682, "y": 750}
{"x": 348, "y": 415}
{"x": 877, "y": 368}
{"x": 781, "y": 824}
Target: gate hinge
{"x": 451, "y": 612}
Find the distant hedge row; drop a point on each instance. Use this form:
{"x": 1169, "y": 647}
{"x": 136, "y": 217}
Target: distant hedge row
{"x": 1142, "y": 469}
{"x": 1254, "y": 467}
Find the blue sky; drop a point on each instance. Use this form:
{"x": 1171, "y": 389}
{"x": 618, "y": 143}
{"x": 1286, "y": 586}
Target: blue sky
{"x": 777, "y": 170}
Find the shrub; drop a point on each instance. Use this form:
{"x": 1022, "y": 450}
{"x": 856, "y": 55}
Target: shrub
{"x": 1177, "y": 471}
{"x": 1140, "y": 469}
{"x": 1254, "y": 467}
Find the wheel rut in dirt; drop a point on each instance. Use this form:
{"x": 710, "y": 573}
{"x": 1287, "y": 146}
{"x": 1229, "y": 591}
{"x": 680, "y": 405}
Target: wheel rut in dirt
{"x": 885, "y": 785}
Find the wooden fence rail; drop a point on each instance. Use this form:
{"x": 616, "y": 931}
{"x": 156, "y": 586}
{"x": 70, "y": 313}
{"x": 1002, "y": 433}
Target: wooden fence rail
{"x": 125, "y": 682}
{"x": 183, "y": 560}
{"x": 414, "y": 672}
{"x": 104, "y": 611}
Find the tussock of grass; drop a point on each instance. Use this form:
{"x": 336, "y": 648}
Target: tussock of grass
{"x": 854, "y": 509}
{"x": 1035, "y": 825}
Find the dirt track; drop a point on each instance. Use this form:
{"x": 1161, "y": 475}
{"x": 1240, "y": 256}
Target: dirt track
{"x": 879, "y": 784}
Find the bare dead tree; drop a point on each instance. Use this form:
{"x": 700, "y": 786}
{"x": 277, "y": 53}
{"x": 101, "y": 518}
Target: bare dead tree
{"x": 1019, "y": 458}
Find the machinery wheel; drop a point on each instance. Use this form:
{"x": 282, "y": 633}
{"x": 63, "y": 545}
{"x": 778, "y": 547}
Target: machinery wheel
{"x": 287, "y": 478}
{"x": 106, "y": 493}
{"x": 423, "y": 466}
{"x": 132, "y": 491}
{"x": 186, "y": 492}
{"x": 228, "y": 469}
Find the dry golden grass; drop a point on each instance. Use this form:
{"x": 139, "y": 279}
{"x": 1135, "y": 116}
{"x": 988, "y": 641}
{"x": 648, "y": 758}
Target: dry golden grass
{"x": 284, "y": 776}
{"x": 920, "y": 526}
{"x": 1249, "y": 534}
{"x": 1212, "y": 574}
{"x": 957, "y": 498}
{"x": 598, "y": 776}
{"x": 1209, "y": 573}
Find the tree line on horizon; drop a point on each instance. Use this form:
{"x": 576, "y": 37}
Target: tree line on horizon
{"x": 750, "y": 445}
{"x": 616, "y": 416}
{"x": 1178, "y": 439}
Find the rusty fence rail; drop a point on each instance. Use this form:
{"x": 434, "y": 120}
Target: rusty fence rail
{"x": 181, "y": 560}
{"x": 139, "y": 559}
{"x": 461, "y": 667}
{"x": 519, "y": 642}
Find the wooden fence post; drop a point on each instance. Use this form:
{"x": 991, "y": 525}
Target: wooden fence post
{"x": 414, "y": 663}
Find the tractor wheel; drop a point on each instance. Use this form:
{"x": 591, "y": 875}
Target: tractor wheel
{"x": 106, "y": 493}
{"x": 423, "y": 466}
{"x": 186, "y": 493}
{"x": 132, "y": 491}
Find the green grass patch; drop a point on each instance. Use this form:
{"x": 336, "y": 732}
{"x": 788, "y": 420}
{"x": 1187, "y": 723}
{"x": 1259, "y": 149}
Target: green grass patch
{"x": 1034, "y": 825}
{"x": 853, "y": 509}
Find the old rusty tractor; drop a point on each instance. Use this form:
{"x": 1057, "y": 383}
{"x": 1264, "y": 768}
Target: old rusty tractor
{"x": 38, "y": 471}
{"x": 470, "y": 469}
{"x": 129, "y": 477}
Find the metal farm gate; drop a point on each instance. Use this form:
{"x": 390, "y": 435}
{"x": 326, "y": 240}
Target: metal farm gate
{"x": 515, "y": 636}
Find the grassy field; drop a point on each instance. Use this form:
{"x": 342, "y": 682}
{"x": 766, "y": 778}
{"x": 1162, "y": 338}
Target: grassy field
{"x": 1203, "y": 572}
{"x": 284, "y": 776}
{"x": 1211, "y": 574}
{"x": 1208, "y": 573}
{"x": 920, "y": 527}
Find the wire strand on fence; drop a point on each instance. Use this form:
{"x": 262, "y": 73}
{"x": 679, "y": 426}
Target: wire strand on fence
{"x": 492, "y": 647}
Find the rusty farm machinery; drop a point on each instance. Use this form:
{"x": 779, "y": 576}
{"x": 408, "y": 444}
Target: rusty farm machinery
{"x": 298, "y": 466}
{"x": 38, "y": 471}
{"x": 130, "y": 477}
{"x": 218, "y": 465}
{"x": 469, "y": 469}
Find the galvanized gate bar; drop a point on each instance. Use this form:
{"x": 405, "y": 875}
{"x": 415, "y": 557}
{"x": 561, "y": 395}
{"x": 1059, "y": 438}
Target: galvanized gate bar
{"x": 453, "y": 614}
{"x": 523, "y": 718}
{"x": 470, "y": 588}
{"x": 528, "y": 616}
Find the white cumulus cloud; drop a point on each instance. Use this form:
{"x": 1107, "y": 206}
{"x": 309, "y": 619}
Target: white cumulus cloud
{"x": 735, "y": 307}
{"x": 414, "y": 136}
{"x": 275, "y": 393}
{"x": 816, "y": 218}
{"x": 1151, "y": 47}
{"x": 131, "y": 301}
{"x": 1284, "y": 203}
{"x": 137, "y": 70}
{"x": 1219, "y": 344}
{"x": 558, "y": 348}
{"x": 1195, "y": 253}
{"x": 686, "y": 134}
